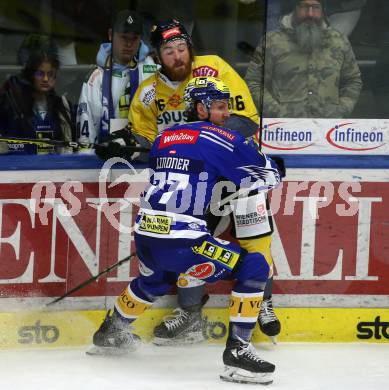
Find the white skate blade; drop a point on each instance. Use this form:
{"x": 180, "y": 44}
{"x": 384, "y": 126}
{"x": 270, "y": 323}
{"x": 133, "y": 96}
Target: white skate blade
{"x": 273, "y": 339}
{"x": 189, "y": 338}
{"x": 238, "y": 375}
{"x": 114, "y": 351}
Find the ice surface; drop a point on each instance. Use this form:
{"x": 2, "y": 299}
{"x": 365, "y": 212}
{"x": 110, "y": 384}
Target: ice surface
{"x": 298, "y": 366}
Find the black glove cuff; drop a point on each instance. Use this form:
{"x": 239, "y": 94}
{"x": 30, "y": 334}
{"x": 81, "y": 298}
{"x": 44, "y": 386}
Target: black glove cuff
{"x": 112, "y": 145}
{"x": 280, "y": 165}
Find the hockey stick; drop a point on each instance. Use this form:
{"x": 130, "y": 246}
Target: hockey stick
{"x": 262, "y": 94}
{"x": 45, "y": 141}
{"x": 72, "y": 144}
{"x": 92, "y": 279}
{"x": 245, "y": 191}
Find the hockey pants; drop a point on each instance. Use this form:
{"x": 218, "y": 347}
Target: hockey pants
{"x": 190, "y": 290}
{"x": 206, "y": 259}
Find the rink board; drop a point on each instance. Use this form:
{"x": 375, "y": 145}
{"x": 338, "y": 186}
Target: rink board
{"x": 75, "y": 328}
{"x": 60, "y": 227}
{"x": 55, "y": 233}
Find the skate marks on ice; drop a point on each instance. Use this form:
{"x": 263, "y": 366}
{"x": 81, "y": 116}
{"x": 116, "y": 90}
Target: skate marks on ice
{"x": 298, "y": 367}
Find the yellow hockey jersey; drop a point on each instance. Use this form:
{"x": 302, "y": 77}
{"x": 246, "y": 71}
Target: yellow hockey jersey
{"x": 158, "y": 102}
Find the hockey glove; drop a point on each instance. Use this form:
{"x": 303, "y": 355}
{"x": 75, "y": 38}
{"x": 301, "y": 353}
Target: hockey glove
{"x": 280, "y": 165}
{"x": 118, "y": 144}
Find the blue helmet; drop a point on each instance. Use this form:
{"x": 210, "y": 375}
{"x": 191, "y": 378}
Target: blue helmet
{"x": 204, "y": 90}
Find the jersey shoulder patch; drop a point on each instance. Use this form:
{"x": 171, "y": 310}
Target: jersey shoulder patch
{"x": 147, "y": 94}
{"x": 149, "y": 68}
{"x": 224, "y": 133}
{"x": 92, "y": 74}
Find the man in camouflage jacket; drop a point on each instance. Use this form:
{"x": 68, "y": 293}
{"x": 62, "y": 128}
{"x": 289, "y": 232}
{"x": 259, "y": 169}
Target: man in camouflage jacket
{"x": 310, "y": 68}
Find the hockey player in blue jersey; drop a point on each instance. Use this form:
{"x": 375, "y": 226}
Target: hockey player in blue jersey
{"x": 157, "y": 105}
{"x": 171, "y": 235}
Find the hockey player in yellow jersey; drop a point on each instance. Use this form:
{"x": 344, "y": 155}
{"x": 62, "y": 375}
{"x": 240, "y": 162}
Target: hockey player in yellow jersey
{"x": 158, "y": 104}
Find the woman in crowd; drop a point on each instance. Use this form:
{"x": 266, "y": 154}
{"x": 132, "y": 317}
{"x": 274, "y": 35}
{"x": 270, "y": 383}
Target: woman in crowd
{"x": 29, "y": 105}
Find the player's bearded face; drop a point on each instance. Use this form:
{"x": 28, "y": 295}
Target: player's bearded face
{"x": 175, "y": 59}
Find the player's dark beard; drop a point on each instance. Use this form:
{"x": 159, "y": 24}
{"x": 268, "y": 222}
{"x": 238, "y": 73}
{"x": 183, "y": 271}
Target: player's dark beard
{"x": 309, "y": 35}
{"x": 178, "y": 74}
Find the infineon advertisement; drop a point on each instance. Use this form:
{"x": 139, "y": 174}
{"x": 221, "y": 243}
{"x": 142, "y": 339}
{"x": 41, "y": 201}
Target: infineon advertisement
{"x": 326, "y": 136}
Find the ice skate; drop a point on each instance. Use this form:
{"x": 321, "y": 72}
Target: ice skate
{"x": 243, "y": 365}
{"x": 268, "y": 321}
{"x": 181, "y": 328}
{"x": 113, "y": 339}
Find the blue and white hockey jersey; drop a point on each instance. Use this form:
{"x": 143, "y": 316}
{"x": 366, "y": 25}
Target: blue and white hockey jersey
{"x": 187, "y": 162}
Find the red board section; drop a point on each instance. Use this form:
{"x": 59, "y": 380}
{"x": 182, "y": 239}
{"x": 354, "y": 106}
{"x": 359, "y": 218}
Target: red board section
{"x": 330, "y": 239}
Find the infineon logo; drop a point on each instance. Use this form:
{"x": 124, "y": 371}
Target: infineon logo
{"x": 358, "y": 138}
{"x": 276, "y": 137}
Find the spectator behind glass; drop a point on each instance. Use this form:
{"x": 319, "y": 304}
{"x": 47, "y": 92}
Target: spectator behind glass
{"x": 343, "y": 15}
{"x": 107, "y": 93}
{"x": 29, "y": 105}
{"x": 380, "y": 81}
{"x": 310, "y": 68}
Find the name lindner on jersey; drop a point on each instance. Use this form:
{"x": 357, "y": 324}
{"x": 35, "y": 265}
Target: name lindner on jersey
{"x": 187, "y": 163}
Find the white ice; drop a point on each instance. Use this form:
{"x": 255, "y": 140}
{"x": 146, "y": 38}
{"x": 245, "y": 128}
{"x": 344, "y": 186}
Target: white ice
{"x": 298, "y": 367}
